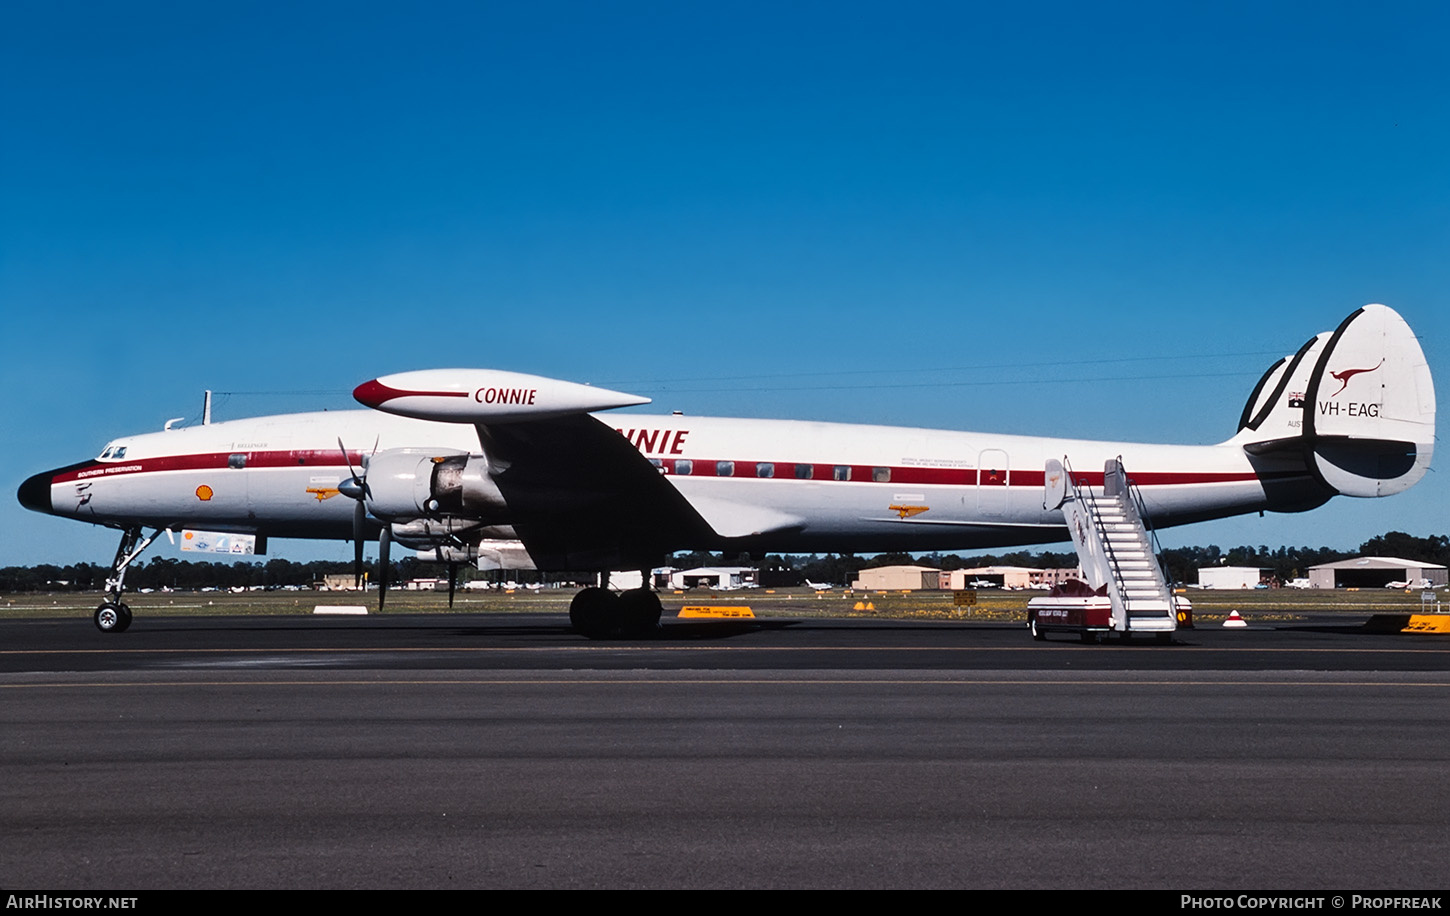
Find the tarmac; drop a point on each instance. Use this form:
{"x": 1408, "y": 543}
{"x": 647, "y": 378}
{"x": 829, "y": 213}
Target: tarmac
{"x": 483, "y": 751}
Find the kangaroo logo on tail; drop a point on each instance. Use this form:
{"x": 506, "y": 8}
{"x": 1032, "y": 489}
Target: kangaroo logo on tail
{"x": 1344, "y": 377}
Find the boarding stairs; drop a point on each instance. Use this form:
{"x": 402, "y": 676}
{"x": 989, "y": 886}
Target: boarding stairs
{"x": 1115, "y": 546}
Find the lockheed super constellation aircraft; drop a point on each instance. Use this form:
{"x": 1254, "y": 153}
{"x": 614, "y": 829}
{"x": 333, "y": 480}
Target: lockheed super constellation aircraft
{"x": 471, "y": 463}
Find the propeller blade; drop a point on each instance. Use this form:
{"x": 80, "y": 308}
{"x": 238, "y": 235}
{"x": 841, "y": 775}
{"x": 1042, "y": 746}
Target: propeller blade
{"x": 359, "y": 519}
{"x": 385, "y": 539}
{"x": 346, "y": 457}
{"x": 452, "y": 582}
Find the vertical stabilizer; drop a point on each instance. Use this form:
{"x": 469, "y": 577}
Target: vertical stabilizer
{"x": 1356, "y": 405}
{"x": 1371, "y": 406}
{"x": 1276, "y": 408}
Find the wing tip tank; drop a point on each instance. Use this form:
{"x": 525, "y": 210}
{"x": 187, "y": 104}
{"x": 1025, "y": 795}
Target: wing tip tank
{"x": 485, "y": 396}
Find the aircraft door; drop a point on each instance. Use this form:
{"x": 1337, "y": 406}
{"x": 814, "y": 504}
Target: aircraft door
{"x": 993, "y": 478}
{"x": 237, "y": 498}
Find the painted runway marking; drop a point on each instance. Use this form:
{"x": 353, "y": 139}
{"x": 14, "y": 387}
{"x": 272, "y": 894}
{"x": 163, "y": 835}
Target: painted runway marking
{"x": 672, "y": 680}
{"x": 1435, "y": 649}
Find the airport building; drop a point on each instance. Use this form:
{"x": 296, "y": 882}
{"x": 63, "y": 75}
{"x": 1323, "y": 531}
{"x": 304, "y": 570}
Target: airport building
{"x": 1230, "y": 576}
{"x": 724, "y": 577}
{"x": 1007, "y": 577}
{"x": 1375, "y": 572}
{"x": 894, "y": 578}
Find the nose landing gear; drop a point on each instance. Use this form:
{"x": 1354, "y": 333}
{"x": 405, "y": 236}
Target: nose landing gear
{"x": 113, "y": 616}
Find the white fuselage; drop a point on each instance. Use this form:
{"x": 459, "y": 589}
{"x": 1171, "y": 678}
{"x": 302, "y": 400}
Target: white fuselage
{"x": 780, "y": 485}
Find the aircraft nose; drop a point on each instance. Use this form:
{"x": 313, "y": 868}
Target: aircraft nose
{"x": 34, "y": 493}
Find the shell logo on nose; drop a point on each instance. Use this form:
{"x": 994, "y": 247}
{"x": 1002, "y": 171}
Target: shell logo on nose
{"x": 203, "y": 493}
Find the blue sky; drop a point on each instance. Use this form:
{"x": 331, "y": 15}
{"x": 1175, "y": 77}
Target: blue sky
{"x": 1085, "y": 220}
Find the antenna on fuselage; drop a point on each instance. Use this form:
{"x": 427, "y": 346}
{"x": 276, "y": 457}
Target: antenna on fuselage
{"x": 206, "y": 409}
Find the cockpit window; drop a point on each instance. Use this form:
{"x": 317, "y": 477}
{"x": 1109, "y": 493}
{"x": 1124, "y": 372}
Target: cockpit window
{"x": 113, "y": 453}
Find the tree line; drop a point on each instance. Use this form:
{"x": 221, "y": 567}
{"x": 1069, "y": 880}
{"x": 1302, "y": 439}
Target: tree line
{"x": 1182, "y": 564}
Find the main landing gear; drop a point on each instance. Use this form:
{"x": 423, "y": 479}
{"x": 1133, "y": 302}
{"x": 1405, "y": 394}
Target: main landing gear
{"x": 113, "y": 616}
{"x": 599, "y": 613}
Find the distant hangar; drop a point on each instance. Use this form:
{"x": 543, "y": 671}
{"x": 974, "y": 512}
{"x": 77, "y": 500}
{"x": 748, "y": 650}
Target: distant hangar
{"x": 1375, "y": 572}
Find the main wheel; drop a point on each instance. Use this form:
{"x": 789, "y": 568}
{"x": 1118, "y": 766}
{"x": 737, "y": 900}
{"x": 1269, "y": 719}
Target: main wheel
{"x": 594, "y": 613}
{"x": 639, "y": 611}
{"x": 112, "y": 617}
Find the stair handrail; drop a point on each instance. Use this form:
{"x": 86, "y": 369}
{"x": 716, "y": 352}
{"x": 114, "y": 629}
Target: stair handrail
{"x": 1141, "y": 508}
{"x": 1115, "y": 580}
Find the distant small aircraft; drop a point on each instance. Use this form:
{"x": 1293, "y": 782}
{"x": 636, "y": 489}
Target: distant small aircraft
{"x": 450, "y": 460}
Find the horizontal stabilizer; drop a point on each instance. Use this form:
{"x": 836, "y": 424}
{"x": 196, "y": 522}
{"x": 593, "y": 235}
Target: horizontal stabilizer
{"x": 485, "y": 396}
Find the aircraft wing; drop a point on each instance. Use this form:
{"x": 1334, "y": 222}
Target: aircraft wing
{"x": 579, "y": 495}
{"x": 582, "y": 497}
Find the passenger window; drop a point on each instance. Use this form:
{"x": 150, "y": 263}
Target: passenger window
{"x": 236, "y": 461}
{"x": 881, "y": 475}
{"x": 684, "y": 466}
{"x": 764, "y": 469}
{"x": 724, "y": 469}
{"x": 842, "y": 472}
{"x": 804, "y": 471}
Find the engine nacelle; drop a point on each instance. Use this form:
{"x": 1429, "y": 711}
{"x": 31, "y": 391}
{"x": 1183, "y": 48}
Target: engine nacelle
{"x": 432, "y": 533}
{"x": 487, "y": 554}
{"x": 407, "y": 483}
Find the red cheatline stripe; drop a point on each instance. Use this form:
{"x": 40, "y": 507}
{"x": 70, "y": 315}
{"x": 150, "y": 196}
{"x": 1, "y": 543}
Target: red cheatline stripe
{"x": 699, "y": 467}
{"x": 314, "y": 458}
{"x": 865, "y": 473}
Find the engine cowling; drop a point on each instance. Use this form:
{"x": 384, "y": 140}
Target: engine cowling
{"x": 407, "y": 484}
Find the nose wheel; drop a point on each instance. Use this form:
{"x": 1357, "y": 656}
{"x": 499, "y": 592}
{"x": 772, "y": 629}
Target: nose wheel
{"x": 112, "y": 617}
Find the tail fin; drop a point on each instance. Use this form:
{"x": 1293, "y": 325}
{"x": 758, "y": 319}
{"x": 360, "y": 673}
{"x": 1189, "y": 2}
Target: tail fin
{"x": 1357, "y": 404}
{"x": 1276, "y": 408}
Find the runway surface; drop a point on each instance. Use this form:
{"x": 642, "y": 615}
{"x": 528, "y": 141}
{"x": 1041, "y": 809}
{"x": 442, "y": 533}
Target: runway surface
{"x": 503, "y": 751}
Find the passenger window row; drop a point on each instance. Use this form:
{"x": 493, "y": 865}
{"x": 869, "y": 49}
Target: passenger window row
{"x": 685, "y": 467}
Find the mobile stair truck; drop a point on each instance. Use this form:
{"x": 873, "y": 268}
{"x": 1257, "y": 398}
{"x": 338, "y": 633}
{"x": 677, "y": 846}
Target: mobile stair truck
{"x": 1125, "y": 591}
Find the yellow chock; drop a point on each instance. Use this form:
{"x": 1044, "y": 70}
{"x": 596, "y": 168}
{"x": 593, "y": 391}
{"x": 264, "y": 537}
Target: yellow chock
{"x": 717, "y": 611}
{"x": 1428, "y": 623}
